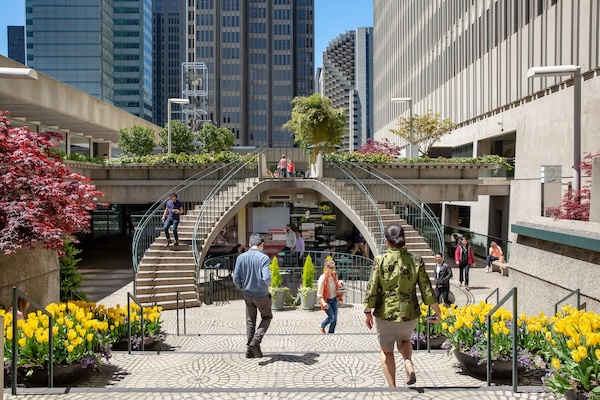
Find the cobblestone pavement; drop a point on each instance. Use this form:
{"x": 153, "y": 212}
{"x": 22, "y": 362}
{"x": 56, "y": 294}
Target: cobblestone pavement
{"x": 208, "y": 361}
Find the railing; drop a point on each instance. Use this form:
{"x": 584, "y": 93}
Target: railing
{"x": 353, "y": 270}
{"x": 403, "y": 202}
{"x": 129, "y": 298}
{"x": 577, "y": 294}
{"x": 496, "y": 292}
{"x": 184, "y": 318}
{"x": 190, "y": 192}
{"x": 480, "y": 243}
{"x": 13, "y": 365}
{"x": 514, "y": 327}
{"x": 217, "y": 202}
{"x": 356, "y": 195}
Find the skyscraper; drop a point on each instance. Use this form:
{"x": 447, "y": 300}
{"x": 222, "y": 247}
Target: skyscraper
{"x": 102, "y": 47}
{"x": 169, "y": 51}
{"x": 16, "y": 43}
{"x": 259, "y": 55}
{"x": 347, "y": 81}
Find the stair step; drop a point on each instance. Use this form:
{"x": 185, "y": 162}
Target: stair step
{"x": 165, "y": 290}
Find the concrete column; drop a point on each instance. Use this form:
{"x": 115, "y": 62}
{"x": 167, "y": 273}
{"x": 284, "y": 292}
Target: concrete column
{"x": 262, "y": 165}
{"x": 242, "y": 227}
{"x": 595, "y": 189}
{"x": 316, "y": 168}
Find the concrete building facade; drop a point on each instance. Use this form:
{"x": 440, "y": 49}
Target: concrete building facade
{"x": 259, "y": 56}
{"x": 469, "y": 61}
{"x": 347, "y": 81}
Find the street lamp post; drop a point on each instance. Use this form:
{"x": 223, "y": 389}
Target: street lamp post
{"x": 169, "y": 102}
{"x": 575, "y": 71}
{"x": 410, "y": 153}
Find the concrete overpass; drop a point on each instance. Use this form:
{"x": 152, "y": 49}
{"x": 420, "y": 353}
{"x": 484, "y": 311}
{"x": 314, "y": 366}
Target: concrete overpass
{"x": 48, "y": 104}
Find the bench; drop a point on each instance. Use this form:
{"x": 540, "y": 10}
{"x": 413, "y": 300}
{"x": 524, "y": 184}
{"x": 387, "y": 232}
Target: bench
{"x": 501, "y": 267}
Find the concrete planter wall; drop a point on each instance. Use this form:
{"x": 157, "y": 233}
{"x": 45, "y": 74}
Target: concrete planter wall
{"x": 35, "y": 272}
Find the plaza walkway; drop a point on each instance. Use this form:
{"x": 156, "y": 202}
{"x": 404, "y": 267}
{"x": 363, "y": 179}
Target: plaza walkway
{"x": 208, "y": 361}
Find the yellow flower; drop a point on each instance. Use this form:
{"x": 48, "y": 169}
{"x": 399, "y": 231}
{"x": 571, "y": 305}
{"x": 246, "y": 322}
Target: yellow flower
{"x": 69, "y": 324}
{"x": 22, "y": 342}
{"x": 90, "y": 337}
{"x": 71, "y": 334}
{"x": 70, "y": 348}
{"x": 556, "y": 363}
{"x": 55, "y": 330}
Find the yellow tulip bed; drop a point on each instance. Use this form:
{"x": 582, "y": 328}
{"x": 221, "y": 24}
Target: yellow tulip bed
{"x": 82, "y": 333}
{"x": 567, "y": 344}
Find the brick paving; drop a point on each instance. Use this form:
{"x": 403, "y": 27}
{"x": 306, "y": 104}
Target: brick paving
{"x": 208, "y": 361}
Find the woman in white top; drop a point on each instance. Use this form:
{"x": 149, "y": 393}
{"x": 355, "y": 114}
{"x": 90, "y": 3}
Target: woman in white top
{"x": 329, "y": 295}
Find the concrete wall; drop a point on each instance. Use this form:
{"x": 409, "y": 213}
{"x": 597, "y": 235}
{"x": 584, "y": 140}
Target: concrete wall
{"x": 547, "y": 264}
{"x": 595, "y": 204}
{"x": 35, "y": 272}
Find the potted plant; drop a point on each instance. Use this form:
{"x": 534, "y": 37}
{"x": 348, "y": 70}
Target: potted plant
{"x": 279, "y": 293}
{"x": 306, "y": 290}
{"x": 436, "y": 332}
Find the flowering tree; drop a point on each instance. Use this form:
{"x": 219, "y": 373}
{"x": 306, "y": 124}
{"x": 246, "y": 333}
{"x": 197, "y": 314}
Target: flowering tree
{"x": 576, "y": 203}
{"x": 41, "y": 201}
{"x": 380, "y": 147}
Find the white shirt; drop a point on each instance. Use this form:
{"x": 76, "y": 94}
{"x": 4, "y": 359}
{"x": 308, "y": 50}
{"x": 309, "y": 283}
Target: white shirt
{"x": 290, "y": 239}
{"x": 331, "y": 289}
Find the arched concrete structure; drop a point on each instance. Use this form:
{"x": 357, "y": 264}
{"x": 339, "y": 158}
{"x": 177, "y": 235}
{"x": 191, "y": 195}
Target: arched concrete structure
{"x": 308, "y": 184}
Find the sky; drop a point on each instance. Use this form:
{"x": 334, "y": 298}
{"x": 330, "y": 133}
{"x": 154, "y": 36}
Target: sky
{"x": 332, "y": 18}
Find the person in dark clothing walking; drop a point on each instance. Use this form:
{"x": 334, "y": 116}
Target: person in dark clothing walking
{"x": 171, "y": 215}
{"x": 443, "y": 274}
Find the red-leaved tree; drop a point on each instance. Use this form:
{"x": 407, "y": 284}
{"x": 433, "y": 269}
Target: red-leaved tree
{"x": 380, "y": 147}
{"x": 41, "y": 201}
{"x": 576, "y": 203}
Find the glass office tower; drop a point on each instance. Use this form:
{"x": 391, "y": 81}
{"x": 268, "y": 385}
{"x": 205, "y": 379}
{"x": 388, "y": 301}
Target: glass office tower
{"x": 16, "y": 43}
{"x": 259, "y": 55}
{"x": 102, "y": 47}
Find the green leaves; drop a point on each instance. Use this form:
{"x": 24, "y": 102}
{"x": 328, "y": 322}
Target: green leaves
{"x": 214, "y": 140}
{"x": 315, "y": 124}
{"x": 136, "y": 141}
{"x": 427, "y": 129}
{"x": 182, "y": 138}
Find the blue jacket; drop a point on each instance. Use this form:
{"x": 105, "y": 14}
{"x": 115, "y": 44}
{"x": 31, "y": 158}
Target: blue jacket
{"x": 252, "y": 273}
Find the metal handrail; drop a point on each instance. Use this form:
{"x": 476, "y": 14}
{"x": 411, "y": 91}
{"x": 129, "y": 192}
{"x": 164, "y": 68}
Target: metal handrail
{"x": 13, "y": 365}
{"x": 129, "y": 298}
{"x": 435, "y": 241}
{"x": 428, "y": 330}
{"x": 513, "y": 294}
{"x": 379, "y": 228}
{"x": 184, "y": 318}
{"x": 209, "y": 201}
{"x": 576, "y": 293}
{"x": 497, "y": 291}
{"x": 157, "y": 208}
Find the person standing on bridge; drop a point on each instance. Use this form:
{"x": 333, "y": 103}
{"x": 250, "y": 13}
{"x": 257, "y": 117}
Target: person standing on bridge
{"x": 392, "y": 294}
{"x": 253, "y": 276}
{"x": 282, "y": 166}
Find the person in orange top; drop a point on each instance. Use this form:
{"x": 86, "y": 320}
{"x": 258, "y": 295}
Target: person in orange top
{"x": 329, "y": 295}
{"x": 495, "y": 254}
{"x": 291, "y": 169}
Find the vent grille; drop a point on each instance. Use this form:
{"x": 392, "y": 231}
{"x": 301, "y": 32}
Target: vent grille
{"x": 279, "y": 197}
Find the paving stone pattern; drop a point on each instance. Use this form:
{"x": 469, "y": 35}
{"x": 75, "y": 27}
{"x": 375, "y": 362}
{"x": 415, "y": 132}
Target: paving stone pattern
{"x": 208, "y": 361}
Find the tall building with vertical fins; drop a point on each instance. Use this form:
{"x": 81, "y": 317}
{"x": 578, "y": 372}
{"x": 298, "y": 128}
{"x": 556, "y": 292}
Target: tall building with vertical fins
{"x": 347, "y": 81}
{"x": 469, "y": 61}
{"x": 102, "y": 47}
{"x": 259, "y": 55}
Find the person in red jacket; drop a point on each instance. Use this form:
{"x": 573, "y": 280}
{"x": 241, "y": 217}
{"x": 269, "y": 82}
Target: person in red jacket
{"x": 463, "y": 256}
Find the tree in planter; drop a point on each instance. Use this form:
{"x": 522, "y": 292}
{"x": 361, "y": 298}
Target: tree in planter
{"x": 136, "y": 141}
{"x": 315, "y": 124}
{"x": 277, "y": 286}
{"x": 41, "y": 201}
{"x": 182, "y": 138}
{"x": 306, "y": 289}
{"x": 427, "y": 129}
{"x": 214, "y": 140}
{"x": 70, "y": 277}
{"x": 576, "y": 203}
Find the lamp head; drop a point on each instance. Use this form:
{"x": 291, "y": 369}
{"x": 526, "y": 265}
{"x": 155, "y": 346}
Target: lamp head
{"x": 555, "y": 70}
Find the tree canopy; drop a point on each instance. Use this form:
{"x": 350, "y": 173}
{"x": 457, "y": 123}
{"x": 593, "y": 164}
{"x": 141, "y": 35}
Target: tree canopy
{"x": 41, "y": 201}
{"x": 315, "y": 124}
{"x": 427, "y": 129}
{"x": 182, "y": 138}
{"x": 214, "y": 140}
{"x": 136, "y": 141}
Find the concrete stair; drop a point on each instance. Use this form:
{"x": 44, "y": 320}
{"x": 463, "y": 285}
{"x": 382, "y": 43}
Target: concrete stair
{"x": 166, "y": 269}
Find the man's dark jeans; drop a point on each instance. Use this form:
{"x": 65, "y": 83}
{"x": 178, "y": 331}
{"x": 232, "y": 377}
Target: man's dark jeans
{"x": 254, "y": 305}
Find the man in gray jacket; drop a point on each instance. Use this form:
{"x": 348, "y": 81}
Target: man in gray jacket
{"x": 443, "y": 274}
{"x": 253, "y": 275}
